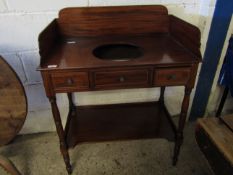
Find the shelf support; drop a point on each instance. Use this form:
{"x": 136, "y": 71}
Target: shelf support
{"x": 71, "y": 103}
{"x": 71, "y": 113}
{"x": 161, "y": 98}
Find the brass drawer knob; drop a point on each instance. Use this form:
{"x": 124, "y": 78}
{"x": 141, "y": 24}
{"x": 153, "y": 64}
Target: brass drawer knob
{"x": 70, "y": 81}
{"x": 171, "y": 77}
{"x": 122, "y": 79}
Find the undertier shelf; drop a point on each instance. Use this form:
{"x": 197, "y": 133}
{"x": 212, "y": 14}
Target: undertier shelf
{"x": 119, "y": 122}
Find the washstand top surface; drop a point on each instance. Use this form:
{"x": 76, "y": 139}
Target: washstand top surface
{"x": 95, "y": 37}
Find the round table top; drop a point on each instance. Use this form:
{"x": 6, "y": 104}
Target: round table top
{"x": 13, "y": 103}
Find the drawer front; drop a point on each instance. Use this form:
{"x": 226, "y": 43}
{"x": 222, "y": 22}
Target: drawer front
{"x": 171, "y": 76}
{"x": 122, "y": 78}
{"x": 70, "y": 81}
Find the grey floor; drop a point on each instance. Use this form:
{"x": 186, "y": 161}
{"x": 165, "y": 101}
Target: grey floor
{"x": 38, "y": 154}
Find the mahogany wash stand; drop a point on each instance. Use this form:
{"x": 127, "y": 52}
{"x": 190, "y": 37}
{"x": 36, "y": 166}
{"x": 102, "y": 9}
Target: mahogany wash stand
{"x": 104, "y": 48}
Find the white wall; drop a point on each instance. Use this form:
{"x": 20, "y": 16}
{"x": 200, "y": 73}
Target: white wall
{"x": 21, "y": 22}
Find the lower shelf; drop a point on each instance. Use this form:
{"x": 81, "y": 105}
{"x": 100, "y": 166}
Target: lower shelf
{"x": 119, "y": 122}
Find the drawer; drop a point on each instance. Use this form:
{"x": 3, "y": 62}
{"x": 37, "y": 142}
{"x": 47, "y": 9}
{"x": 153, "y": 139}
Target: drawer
{"x": 122, "y": 78}
{"x": 171, "y": 76}
{"x": 70, "y": 81}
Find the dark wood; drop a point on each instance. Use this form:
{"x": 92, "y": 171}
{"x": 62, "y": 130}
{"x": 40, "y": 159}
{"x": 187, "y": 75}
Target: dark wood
{"x": 70, "y": 81}
{"x": 161, "y": 97}
{"x": 13, "y": 103}
{"x": 172, "y": 76}
{"x": 222, "y": 102}
{"x": 124, "y": 78}
{"x": 169, "y": 56}
{"x": 182, "y": 119}
{"x": 163, "y": 47}
{"x": 186, "y": 34}
{"x": 215, "y": 140}
{"x": 99, "y": 21}
{"x": 47, "y": 39}
{"x": 119, "y": 122}
{"x": 61, "y": 134}
{"x": 72, "y": 112}
{"x": 228, "y": 121}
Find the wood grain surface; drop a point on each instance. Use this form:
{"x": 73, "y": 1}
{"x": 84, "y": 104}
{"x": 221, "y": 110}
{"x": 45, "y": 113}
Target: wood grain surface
{"x": 99, "y": 21}
{"x": 220, "y": 135}
{"x": 186, "y": 34}
{"x": 13, "y": 103}
{"x": 119, "y": 122}
{"x": 158, "y": 50}
{"x": 229, "y": 121}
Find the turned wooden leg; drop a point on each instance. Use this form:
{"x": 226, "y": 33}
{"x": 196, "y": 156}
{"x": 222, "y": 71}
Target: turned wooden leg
{"x": 182, "y": 120}
{"x": 61, "y": 134}
{"x": 222, "y": 102}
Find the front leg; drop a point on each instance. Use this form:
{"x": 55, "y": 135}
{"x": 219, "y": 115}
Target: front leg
{"x": 61, "y": 134}
{"x": 182, "y": 120}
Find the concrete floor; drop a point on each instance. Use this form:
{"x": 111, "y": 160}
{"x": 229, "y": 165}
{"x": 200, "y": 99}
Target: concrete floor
{"x": 38, "y": 154}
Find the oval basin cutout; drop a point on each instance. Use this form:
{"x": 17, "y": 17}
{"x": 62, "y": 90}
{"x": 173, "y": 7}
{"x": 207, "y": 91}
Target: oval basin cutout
{"x": 117, "y": 52}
